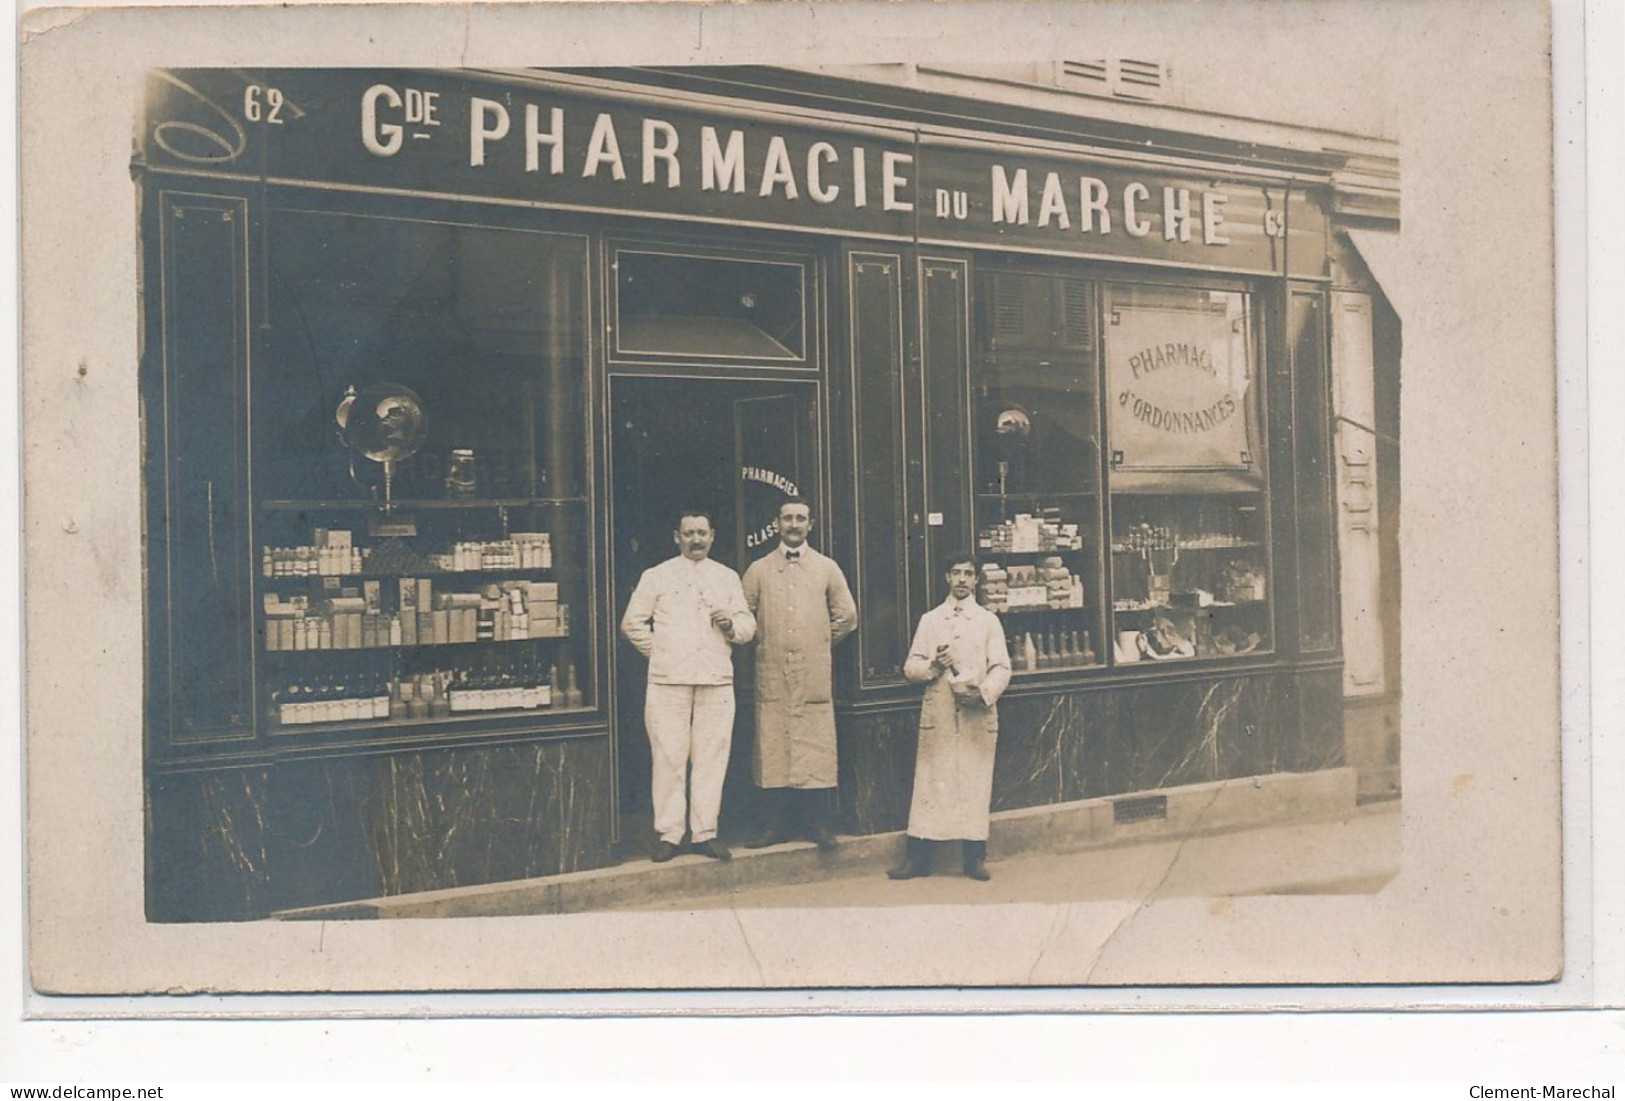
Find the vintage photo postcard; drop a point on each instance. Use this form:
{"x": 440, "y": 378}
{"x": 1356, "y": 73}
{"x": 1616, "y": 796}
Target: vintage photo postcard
{"x": 684, "y": 497}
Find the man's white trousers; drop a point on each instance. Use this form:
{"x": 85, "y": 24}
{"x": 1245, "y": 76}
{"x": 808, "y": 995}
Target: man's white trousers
{"x": 688, "y": 722}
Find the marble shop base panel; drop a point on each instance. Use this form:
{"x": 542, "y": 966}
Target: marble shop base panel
{"x": 236, "y": 844}
{"x": 1103, "y": 740}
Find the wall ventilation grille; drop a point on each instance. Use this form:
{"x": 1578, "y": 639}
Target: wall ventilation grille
{"x": 1145, "y": 808}
{"x": 1120, "y": 77}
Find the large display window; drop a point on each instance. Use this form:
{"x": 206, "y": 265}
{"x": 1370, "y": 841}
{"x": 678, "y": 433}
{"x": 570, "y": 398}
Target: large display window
{"x": 1153, "y": 392}
{"x": 423, "y": 509}
{"x": 1189, "y": 502}
{"x": 1037, "y": 466}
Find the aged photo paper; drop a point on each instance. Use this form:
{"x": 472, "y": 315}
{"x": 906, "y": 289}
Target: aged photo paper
{"x": 383, "y": 365}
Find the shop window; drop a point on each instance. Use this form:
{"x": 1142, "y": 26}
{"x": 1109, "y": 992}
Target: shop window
{"x": 1037, "y": 466}
{"x": 709, "y": 307}
{"x": 1189, "y": 509}
{"x": 423, "y": 523}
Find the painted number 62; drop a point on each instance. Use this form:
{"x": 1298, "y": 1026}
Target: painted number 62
{"x": 262, "y": 103}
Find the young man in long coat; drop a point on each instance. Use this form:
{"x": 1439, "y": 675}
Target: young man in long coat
{"x": 803, "y": 607}
{"x": 959, "y": 654}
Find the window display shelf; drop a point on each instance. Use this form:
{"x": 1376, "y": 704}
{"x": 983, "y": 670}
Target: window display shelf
{"x": 1194, "y": 545}
{"x": 1128, "y": 607}
{"x": 1208, "y": 483}
{"x": 426, "y": 503}
{"x": 331, "y": 650}
{"x": 371, "y": 575}
{"x": 1036, "y": 610}
{"x": 1062, "y": 495}
{"x": 277, "y": 728}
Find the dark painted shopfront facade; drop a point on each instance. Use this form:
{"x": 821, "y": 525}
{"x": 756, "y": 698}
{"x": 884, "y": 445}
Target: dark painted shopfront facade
{"x": 431, "y": 357}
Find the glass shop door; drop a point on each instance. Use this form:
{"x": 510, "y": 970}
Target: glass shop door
{"x": 736, "y": 449}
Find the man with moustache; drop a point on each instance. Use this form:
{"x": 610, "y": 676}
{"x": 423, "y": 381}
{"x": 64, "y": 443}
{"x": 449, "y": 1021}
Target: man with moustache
{"x": 959, "y": 654}
{"x": 803, "y": 607}
{"x": 684, "y": 616}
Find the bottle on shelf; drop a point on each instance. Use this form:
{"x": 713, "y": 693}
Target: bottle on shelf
{"x": 440, "y": 694}
{"x": 573, "y": 696}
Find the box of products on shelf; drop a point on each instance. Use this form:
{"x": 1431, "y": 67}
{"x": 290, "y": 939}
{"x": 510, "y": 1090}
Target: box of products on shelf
{"x": 354, "y": 619}
{"x": 1048, "y": 584}
{"x": 1025, "y": 589}
{"x": 995, "y": 587}
{"x": 1241, "y": 583}
{"x": 1029, "y": 534}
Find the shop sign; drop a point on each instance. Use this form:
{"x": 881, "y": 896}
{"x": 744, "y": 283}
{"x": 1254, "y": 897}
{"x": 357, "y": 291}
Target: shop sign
{"x": 769, "y": 442}
{"x": 763, "y": 491}
{"x": 451, "y": 135}
{"x": 1179, "y": 382}
{"x": 1015, "y": 199}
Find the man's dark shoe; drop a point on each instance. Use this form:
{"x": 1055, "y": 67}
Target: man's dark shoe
{"x": 772, "y": 831}
{"x": 916, "y": 861}
{"x": 975, "y": 861}
{"x": 769, "y": 834}
{"x": 819, "y": 834}
{"x": 664, "y": 852}
{"x": 713, "y": 848}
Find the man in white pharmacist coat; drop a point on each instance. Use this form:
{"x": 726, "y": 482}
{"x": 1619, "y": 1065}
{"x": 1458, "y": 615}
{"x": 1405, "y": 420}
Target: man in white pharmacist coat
{"x": 684, "y": 616}
{"x": 959, "y": 654}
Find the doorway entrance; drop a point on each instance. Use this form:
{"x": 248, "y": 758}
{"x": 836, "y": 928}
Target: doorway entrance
{"x": 735, "y": 449}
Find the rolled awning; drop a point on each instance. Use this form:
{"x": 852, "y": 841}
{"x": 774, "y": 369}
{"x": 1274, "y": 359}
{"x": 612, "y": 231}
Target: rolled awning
{"x": 1380, "y": 251}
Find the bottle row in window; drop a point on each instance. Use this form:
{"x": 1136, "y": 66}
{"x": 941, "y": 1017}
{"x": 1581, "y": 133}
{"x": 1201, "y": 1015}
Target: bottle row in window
{"x": 1053, "y": 649}
{"x": 332, "y": 554}
{"x": 479, "y": 686}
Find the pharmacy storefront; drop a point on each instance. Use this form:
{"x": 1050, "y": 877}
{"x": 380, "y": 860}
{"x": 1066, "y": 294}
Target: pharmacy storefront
{"x": 430, "y": 357}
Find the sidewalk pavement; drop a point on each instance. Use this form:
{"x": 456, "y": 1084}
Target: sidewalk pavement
{"x": 1283, "y": 834}
{"x": 1356, "y": 854}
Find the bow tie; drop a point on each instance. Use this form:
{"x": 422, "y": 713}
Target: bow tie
{"x": 792, "y": 555}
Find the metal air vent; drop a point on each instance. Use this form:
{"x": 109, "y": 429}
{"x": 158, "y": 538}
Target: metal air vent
{"x": 1119, "y": 77}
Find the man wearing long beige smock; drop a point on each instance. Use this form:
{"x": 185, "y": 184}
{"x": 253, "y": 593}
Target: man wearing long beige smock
{"x": 959, "y": 654}
{"x": 683, "y": 616}
{"x": 803, "y": 607}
